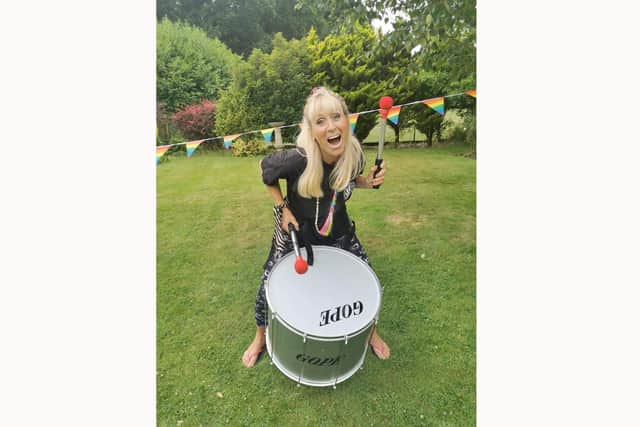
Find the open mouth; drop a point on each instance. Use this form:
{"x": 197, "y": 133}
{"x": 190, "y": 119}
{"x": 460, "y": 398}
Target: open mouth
{"x": 334, "y": 141}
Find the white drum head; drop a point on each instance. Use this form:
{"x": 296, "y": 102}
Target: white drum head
{"x": 337, "y": 296}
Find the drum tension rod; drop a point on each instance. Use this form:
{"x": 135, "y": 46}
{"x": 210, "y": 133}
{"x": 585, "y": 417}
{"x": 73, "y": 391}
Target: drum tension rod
{"x": 304, "y": 351}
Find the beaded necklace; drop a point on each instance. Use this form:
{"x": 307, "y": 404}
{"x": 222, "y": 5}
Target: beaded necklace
{"x": 328, "y": 223}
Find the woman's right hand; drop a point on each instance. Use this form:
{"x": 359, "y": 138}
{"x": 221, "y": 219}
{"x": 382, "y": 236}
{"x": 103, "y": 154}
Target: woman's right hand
{"x": 287, "y": 217}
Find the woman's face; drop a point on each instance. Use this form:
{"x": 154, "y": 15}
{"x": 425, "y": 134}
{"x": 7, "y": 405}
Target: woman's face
{"x": 331, "y": 132}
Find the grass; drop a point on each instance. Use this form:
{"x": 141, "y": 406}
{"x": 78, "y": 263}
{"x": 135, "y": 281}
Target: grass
{"x": 214, "y": 226}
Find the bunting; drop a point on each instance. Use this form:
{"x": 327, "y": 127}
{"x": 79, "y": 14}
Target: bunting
{"x": 436, "y": 103}
{"x": 353, "y": 119}
{"x": 394, "y": 113}
{"x": 266, "y": 133}
{"x": 191, "y": 146}
{"x": 229, "y": 139}
{"x": 160, "y": 150}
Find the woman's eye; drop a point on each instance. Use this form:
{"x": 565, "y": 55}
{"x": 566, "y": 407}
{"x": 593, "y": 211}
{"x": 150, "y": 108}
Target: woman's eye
{"x": 320, "y": 122}
{"x": 336, "y": 116}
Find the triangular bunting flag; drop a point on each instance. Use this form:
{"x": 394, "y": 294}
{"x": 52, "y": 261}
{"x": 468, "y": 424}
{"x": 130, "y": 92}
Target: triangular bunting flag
{"x": 160, "y": 150}
{"x": 436, "y": 103}
{"x": 353, "y": 119}
{"x": 191, "y": 146}
{"x": 229, "y": 139}
{"x": 471, "y": 92}
{"x": 394, "y": 112}
{"x": 267, "y": 135}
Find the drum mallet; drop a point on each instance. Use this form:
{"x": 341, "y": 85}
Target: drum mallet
{"x": 300, "y": 265}
{"x": 386, "y": 102}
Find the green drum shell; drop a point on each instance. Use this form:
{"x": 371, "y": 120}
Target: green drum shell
{"x": 311, "y": 359}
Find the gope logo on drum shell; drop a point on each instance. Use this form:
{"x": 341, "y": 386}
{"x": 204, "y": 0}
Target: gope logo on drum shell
{"x": 340, "y": 312}
{"x": 318, "y": 361}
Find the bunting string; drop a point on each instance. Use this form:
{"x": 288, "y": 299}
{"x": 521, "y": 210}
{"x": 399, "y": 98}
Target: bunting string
{"x": 437, "y": 104}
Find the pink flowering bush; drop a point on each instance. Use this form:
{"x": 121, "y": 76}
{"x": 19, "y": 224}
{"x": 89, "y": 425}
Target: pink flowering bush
{"x": 196, "y": 121}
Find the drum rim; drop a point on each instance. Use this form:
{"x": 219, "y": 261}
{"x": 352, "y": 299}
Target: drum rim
{"x": 319, "y": 338}
{"x": 316, "y": 337}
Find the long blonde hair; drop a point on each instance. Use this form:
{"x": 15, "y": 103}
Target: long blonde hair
{"x": 323, "y": 100}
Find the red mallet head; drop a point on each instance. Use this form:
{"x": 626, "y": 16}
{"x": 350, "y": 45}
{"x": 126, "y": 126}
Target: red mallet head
{"x": 301, "y": 265}
{"x": 386, "y": 102}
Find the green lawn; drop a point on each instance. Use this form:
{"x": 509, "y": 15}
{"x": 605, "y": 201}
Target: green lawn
{"x": 214, "y": 225}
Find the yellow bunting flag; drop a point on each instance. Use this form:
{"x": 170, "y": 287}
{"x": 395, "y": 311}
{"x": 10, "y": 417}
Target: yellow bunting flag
{"x": 229, "y": 139}
{"x": 191, "y": 146}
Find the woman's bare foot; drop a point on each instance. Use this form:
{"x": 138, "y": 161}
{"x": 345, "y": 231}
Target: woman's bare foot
{"x": 379, "y": 347}
{"x": 255, "y": 348}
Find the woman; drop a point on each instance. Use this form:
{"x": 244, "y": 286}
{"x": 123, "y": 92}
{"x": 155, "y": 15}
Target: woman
{"x": 321, "y": 173}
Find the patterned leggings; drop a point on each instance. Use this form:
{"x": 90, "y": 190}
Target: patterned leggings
{"x": 280, "y": 246}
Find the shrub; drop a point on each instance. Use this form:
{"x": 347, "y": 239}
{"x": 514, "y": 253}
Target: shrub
{"x": 250, "y": 147}
{"x": 196, "y": 121}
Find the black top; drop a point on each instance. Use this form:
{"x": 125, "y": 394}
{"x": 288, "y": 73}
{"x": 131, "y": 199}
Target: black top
{"x": 289, "y": 164}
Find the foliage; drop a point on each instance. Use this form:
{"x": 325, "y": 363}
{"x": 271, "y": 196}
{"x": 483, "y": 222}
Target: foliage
{"x": 436, "y": 34}
{"x": 190, "y": 65}
{"x": 250, "y": 147}
{"x": 268, "y": 88}
{"x": 347, "y": 64}
{"x": 423, "y": 85}
{"x": 247, "y": 24}
{"x": 196, "y": 121}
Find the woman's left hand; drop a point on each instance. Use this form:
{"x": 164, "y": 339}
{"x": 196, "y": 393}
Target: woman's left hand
{"x": 379, "y": 179}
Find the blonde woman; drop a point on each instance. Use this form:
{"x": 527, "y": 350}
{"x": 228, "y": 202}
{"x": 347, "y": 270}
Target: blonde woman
{"x": 320, "y": 172}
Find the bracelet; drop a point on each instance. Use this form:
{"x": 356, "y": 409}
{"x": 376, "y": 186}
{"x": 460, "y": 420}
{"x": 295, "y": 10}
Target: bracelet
{"x": 282, "y": 205}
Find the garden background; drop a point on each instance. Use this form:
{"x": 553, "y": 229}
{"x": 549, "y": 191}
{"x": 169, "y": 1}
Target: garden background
{"x": 230, "y": 67}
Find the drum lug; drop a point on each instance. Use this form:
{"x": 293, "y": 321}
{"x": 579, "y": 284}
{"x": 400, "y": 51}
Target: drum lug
{"x": 304, "y": 338}
{"x": 346, "y": 339}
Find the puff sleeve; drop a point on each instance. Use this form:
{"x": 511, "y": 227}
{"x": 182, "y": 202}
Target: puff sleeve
{"x": 284, "y": 164}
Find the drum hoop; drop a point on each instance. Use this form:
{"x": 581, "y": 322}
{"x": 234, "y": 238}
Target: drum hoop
{"x": 315, "y": 337}
{"x": 319, "y": 338}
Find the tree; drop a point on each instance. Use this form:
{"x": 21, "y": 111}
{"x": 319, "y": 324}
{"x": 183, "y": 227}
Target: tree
{"x": 423, "y": 85}
{"x": 190, "y": 65}
{"x": 244, "y": 25}
{"x": 267, "y": 88}
{"x": 350, "y": 64}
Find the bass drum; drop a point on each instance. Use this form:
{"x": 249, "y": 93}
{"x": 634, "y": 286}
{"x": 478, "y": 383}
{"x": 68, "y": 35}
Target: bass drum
{"x": 319, "y": 323}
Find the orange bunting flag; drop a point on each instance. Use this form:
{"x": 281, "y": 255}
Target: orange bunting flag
{"x": 353, "y": 119}
{"x": 436, "y": 103}
{"x": 160, "y": 150}
{"x": 394, "y": 113}
{"x": 471, "y": 92}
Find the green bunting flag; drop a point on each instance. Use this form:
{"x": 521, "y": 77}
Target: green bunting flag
{"x": 267, "y": 133}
